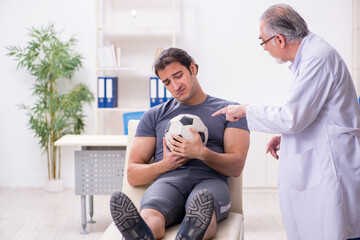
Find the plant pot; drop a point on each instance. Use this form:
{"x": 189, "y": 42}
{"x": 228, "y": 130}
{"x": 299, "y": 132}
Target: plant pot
{"x": 54, "y": 185}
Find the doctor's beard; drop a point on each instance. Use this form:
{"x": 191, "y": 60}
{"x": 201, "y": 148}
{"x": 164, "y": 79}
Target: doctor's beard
{"x": 278, "y": 60}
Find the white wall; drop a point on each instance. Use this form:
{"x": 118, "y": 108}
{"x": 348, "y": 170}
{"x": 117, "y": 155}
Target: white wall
{"x": 21, "y": 160}
{"x": 222, "y": 36}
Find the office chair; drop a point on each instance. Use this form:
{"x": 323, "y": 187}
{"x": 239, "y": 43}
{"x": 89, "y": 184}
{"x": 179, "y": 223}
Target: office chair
{"x": 130, "y": 116}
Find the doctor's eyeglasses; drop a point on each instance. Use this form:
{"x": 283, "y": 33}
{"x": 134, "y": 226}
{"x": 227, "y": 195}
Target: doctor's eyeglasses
{"x": 263, "y": 42}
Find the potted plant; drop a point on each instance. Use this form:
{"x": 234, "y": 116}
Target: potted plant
{"x": 55, "y": 113}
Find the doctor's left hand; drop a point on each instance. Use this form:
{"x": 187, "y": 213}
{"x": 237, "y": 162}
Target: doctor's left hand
{"x": 274, "y": 146}
{"x": 232, "y": 112}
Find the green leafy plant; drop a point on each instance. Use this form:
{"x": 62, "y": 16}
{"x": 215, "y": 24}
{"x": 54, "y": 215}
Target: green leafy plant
{"x": 55, "y": 113}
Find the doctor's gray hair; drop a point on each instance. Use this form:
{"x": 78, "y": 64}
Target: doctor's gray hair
{"x": 283, "y": 19}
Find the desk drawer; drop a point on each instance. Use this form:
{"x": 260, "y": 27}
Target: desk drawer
{"x": 99, "y": 172}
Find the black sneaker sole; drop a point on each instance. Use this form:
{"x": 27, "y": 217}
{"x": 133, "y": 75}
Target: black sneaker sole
{"x": 198, "y": 216}
{"x": 127, "y": 219}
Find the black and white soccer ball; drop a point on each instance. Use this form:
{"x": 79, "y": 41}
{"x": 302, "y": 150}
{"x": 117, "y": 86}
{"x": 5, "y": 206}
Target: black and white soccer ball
{"x": 180, "y": 125}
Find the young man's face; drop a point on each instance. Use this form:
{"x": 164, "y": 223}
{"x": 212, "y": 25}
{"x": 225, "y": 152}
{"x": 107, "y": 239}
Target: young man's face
{"x": 178, "y": 80}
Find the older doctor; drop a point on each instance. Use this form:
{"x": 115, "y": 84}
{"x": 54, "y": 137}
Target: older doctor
{"x": 319, "y": 167}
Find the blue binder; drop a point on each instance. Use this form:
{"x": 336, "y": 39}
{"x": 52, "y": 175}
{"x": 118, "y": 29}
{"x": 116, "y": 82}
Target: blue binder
{"x": 111, "y": 92}
{"x": 161, "y": 92}
{"x": 158, "y": 92}
{"x": 101, "y": 92}
{"x": 153, "y": 91}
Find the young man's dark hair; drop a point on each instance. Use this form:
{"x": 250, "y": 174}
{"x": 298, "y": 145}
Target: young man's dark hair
{"x": 171, "y": 55}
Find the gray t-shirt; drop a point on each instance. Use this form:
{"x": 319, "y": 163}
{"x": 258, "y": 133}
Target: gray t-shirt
{"x": 154, "y": 121}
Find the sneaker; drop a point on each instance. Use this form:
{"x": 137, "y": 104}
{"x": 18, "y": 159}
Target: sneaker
{"x": 127, "y": 219}
{"x": 198, "y": 217}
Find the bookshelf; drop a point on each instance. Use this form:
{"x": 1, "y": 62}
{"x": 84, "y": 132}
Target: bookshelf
{"x": 138, "y": 28}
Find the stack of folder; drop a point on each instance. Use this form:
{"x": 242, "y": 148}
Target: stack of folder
{"x": 158, "y": 92}
{"x": 107, "y": 92}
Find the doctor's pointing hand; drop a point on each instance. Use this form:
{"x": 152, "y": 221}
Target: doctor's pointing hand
{"x": 319, "y": 123}
{"x": 235, "y": 112}
{"x": 232, "y": 112}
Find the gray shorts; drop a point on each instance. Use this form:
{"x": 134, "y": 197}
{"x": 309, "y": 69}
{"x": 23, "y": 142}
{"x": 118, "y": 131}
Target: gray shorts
{"x": 172, "y": 192}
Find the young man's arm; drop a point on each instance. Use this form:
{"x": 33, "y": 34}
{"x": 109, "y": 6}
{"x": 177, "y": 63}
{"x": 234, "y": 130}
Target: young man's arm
{"x": 139, "y": 171}
{"x": 230, "y": 163}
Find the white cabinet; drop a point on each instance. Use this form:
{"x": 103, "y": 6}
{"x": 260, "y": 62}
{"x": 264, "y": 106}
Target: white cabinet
{"x": 138, "y": 28}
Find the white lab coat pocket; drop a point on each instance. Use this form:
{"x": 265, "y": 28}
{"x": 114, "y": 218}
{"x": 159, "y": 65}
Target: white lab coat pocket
{"x": 304, "y": 170}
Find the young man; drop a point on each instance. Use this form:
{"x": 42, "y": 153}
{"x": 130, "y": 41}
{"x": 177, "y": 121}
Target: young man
{"x": 189, "y": 182}
{"x": 319, "y": 167}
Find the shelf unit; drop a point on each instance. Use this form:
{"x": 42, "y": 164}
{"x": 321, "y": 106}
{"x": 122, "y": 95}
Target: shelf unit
{"x": 139, "y": 28}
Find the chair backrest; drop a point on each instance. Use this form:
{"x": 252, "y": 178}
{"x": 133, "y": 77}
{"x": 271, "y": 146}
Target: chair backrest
{"x": 235, "y": 188}
{"x": 128, "y": 116}
{"x": 134, "y": 193}
{"x": 235, "y": 183}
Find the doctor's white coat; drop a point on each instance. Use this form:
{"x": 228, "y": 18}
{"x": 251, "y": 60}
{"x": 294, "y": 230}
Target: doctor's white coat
{"x": 319, "y": 165}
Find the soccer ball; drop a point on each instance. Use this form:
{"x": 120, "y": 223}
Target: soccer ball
{"x": 180, "y": 125}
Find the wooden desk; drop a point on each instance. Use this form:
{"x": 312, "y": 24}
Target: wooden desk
{"x": 98, "y": 167}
